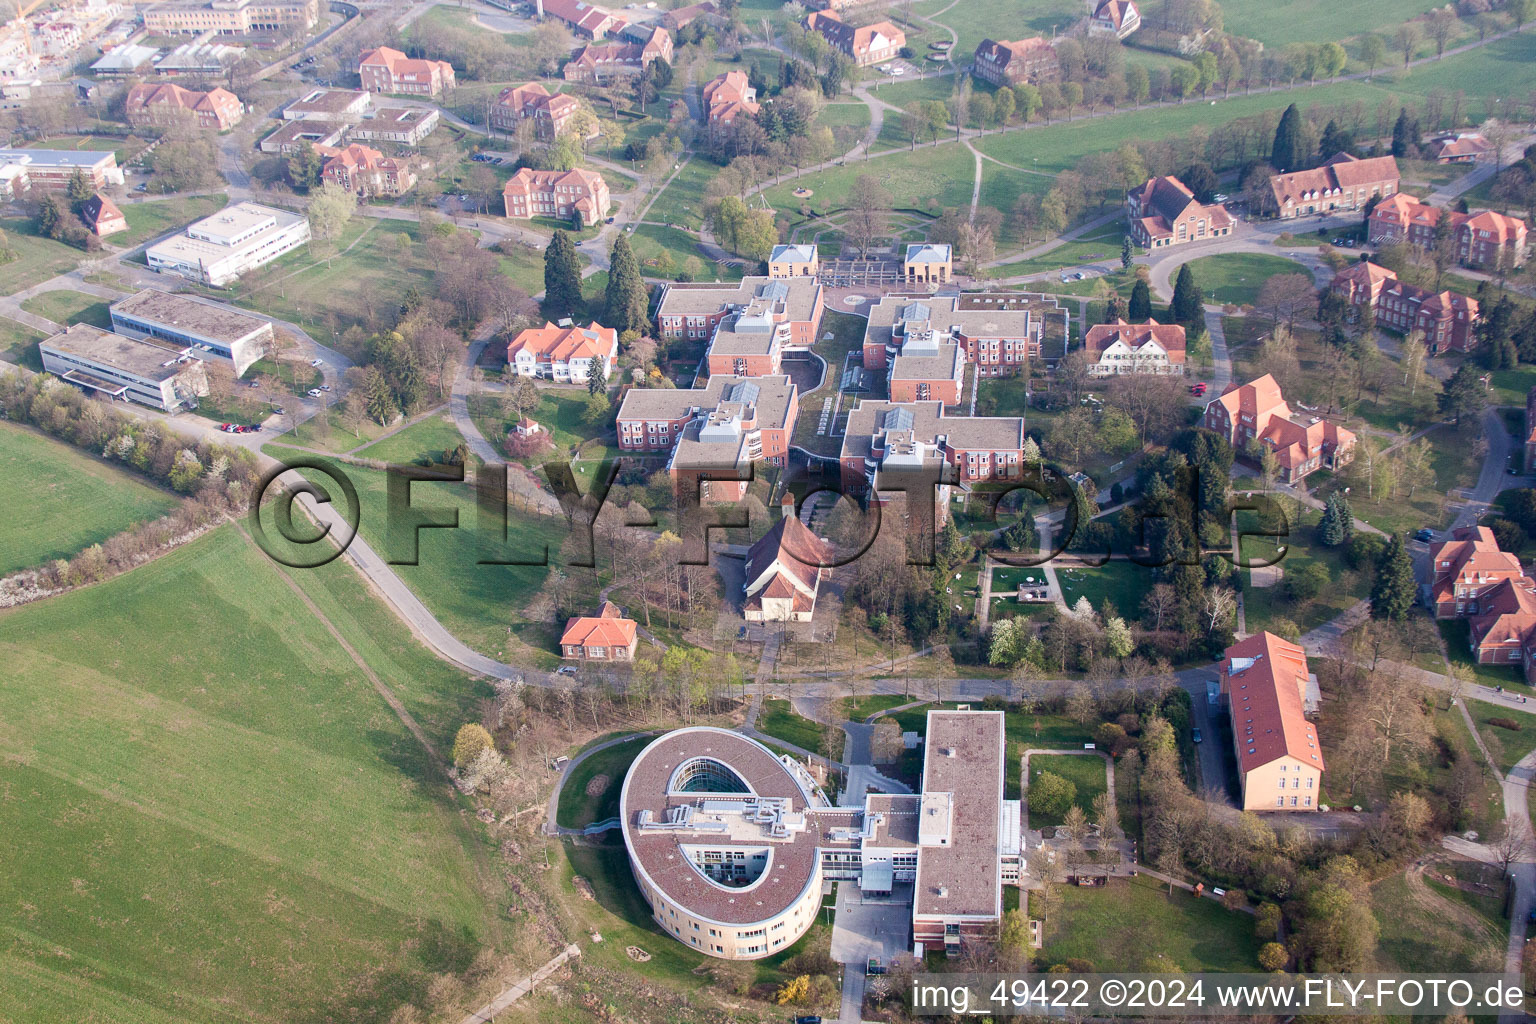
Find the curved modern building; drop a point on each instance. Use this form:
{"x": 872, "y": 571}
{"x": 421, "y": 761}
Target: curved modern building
{"x": 732, "y": 844}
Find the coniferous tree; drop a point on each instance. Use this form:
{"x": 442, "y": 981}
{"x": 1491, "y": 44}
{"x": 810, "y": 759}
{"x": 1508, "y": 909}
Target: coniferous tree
{"x": 1140, "y": 308}
{"x": 1403, "y": 134}
{"x": 597, "y": 377}
{"x": 79, "y": 190}
{"x": 1392, "y": 593}
{"x": 562, "y": 278}
{"x": 1188, "y": 306}
{"x": 50, "y": 219}
{"x": 627, "y": 301}
{"x": 1338, "y": 523}
{"x": 1286, "y": 153}
{"x": 1127, "y": 253}
{"x": 1463, "y": 394}
{"x": 1335, "y": 140}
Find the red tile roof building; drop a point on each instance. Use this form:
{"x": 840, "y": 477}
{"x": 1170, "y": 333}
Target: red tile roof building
{"x": 599, "y": 62}
{"x": 567, "y": 195}
{"x": 388, "y": 70}
{"x": 1484, "y": 240}
{"x": 1279, "y": 759}
{"x": 1118, "y": 18}
{"x": 682, "y": 17}
{"x": 1530, "y": 431}
{"x": 1446, "y": 319}
{"x": 1458, "y": 148}
{"x": 564, "y": 354}
{"x": 1030, "y": 60}
{"x": 1256, "y": 412}
{"x": 102, "y": 216}
{"x": 1463, "y": 569}
{"x": 729, "y": 96}
{"x": 1344, "y": 182}
{"x": 869, "y": 44}
{"x": 588, "y": 21}
{"x": 217, "y": 109}
{"x": 1504, "y": 631}
{"x": 550, "y": 114}
{"x": 366, "y": 171}
{"x": 1123, "y": 348}
{"x": 1163, "y": 212}
{"x": 783, "y": 573}
{"x": 606, "y": 636}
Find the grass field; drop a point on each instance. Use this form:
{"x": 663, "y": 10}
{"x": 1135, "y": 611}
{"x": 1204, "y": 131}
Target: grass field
{"x": 778, "y": 719}
{"x": 39, "y": 258}
{"x": 18, "y": 344}
{"x": 1121, "y": 927}
{"x": 475, "y": 601}
{"x": 329, "y": 433}
{"x": 1313, "y": 21}
{"x": 240, "y": 820}
{"x": 1086, "y": 772}
{"x": 663, "y": 251}
{"x": 559, "y": 411}
{"x": 1235, "y": 277}
{"x": 66, "y": 307}
{"x": 578, "y": 807}
{"x": 1416, "y": 935}
{"x": 942, "y": 174}
{"x": 59, "y": 500}
{"x": 429, "y": 439}
{"x": 682, "y": 202}
{"x": 151, "y": 219}
{"x": 1123, "y": 584}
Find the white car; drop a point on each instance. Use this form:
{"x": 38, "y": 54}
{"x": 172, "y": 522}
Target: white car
{"x": 317, "y": 362}
{"x": 314, "y": 392}
{"x": 898, "y": 71}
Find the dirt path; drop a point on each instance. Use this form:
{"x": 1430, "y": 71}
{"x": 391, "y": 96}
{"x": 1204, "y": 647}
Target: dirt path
{"x": 1443, "y": 907}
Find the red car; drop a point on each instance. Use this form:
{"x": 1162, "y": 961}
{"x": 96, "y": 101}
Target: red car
{"x": 1197, "y": 389}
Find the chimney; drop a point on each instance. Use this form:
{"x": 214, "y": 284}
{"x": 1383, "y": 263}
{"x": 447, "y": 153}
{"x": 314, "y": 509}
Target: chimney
{"x": 539, "y": 4}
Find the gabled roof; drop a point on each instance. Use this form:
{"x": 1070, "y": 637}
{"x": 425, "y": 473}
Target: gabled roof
{"x": 602, "y": 630}
{"x": 1341, "y": 171}
{"x": 1266, "y": 678}
{"x": 797, "y": 552}
{"x": 1470, "y": 558}
{"x": 98, "y": 211}
{"x": 562, "y": 344}
{"x": 1507, "y": 615}
{"x": 1168, "y": 337}
{"x": 1114, "y": 12}
{"x": 1258, "y": 398}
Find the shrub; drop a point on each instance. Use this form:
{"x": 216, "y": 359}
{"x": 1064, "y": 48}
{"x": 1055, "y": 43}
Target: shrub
{"x": 1051, "y": 794}
{"x": 1505, "y": 723}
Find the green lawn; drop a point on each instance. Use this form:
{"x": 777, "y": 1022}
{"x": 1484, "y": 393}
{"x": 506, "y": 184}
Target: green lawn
{"x": 149, "y": 220}
{"x": 479, "y": 603}
{"x": 1313, "y": 21}
{"x": 1124, "y": 584}
{"x": 328, "y": 433}
{"x": 1505, "y": 745}
{"x": 856, "y": 709}
{"x": 932, "y": 174}
{"x": 18, "y": 344}
{"x": 1235, "y": 278}
{"x": 578, "y": 807}
{"x": 559, "y": 411}
{"x": 239, "y": 820}
{"x": 663, "y": 251}
{"x": 431, "y": 438}
{"x": 778, "y": 719}
{"x": 1263, "y": 605}
{"x": 1416, "y": 936}
{"x": 66, "y": 307}
{"x": 1020, "y": 731}
{"x": 1122, "y": 926}
{"x": 39, "y": 258}
{"x": 682, "y": 202}
{"x": 1086, "y": 772}
{"x": 1511, "y": 386}
{"x": 59, "y": 500}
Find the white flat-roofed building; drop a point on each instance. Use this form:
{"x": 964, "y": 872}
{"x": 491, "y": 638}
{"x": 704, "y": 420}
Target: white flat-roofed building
{"x": 220, "y": 248}
{"x": 52, "y": 168}
{"x": 210, "y": 328}
{"x": 404, "y": 126}
{"x": 339, "y": 106}
{"x": 164, "y": 377}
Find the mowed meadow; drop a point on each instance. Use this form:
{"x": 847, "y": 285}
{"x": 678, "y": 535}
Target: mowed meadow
{"x": 210, "y": 813}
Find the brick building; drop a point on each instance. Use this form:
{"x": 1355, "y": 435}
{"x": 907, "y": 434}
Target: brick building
{"x": 903, "y": 437}
{"x": 1122, "y": 348}
{"x": 696, "y": 310}
{"x": 388, "y": 70}
{"x": 1464, "y": 570}
{"x": 550, "y": 114}
{"x": 1483, "y": 240}
{"x": 1257, "y": 412}
{"x": 1163, "y": 212}
{"x": 1445, "y": 318}
{"x": 999, "y": 332}
{"x": 606, "y": 636}
{"x": 587, "y": 21}
{"x": 599, "y": 62}
{"x": 866, "y": 45}
{"x": 366, "y": 171}
{"x": 217, "y": 109}
{"x": 794, "y": 261}
{"x": 1530, "y": 431}
{"x": 1118, "y": 18}
{"x": 1344, "y": 182}
{"x": 568, "y": 195}
{"x": 102, "y": 216}
{"x": 1030, "y": 60}
{"x": 728, "y": 97}
{"x": 1458, "y": 148}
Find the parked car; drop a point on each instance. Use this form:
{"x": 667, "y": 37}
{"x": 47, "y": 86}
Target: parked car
{"x": 317, "y": 362}
{"x": 1220, "y": 197}
{"x": 810, "y": 1019}
{"x": 1195, "y": 735}
{"x": 325, "y": 387}
{"x": 253, "y": 383}
{"x": 1198, "y": 388}
{"x": 314, "y": 392}
{"x": 228, "y": 428}
{"x": 566, "y": 670}
{"x": 141, "y": 187}
{"x": 1425, "y": 534}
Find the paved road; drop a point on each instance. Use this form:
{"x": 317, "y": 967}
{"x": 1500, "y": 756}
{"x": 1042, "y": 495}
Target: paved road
{"x": 551, "y": 825}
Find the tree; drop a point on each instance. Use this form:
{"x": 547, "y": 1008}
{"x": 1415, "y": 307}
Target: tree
{"x": 1118, "y": 638}
{"x": 79, "y": 190}
{"x": 1273, "y": 957}
{"x": 379, "y": 399}
{"x": 1406, "y": 38}
{"x": 1393, "y": 591}
{"x": 1288, "y": 152}
{"x": 330, "y": 208}
{"x": 1287, "y": 296}
{"x": 1442, "y": 25}
{"x": 1127, "y": 253}
{"x": 562, "y": 278}
{"x": 1188, "y": 306}
{"x": 1463, "y": 394}
{"x": 1404, "y": 136}
{"x": 627, "y": 301}
{"x": 1201, "y": 180}
{"x": 1139, "y": 309}
{"x": 472, "y": 738}
{"x": 1013, "y": 940}
{"x": 1373, "y": 50}
{"x": 597, "y": 377}
{"x": 304, "y": 167}
{"x": 1338, "y": 524}
{"x": 1051, "y": 795}
{"x": 869, "y": 207}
